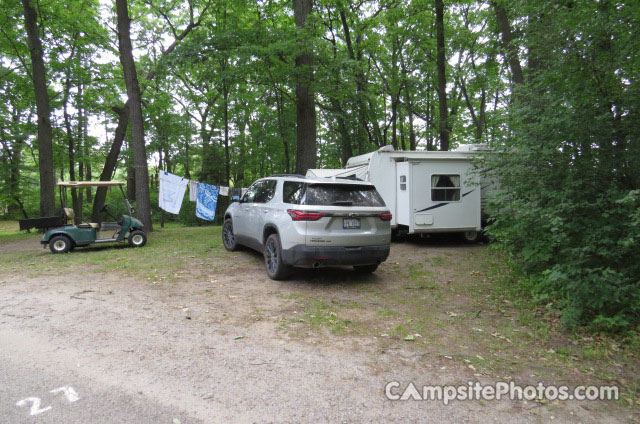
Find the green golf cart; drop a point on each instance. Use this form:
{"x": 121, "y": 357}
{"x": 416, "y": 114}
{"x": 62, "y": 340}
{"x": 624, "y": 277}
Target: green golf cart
{"x": 65, "y": 238}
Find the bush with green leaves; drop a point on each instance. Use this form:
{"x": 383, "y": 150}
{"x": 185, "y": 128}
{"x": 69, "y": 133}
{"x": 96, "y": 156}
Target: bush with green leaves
{"x": 569, "y": 204}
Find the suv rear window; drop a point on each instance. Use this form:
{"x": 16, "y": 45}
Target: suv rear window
{"x": 292, "y": 192}
{"x": 341, "y": 195}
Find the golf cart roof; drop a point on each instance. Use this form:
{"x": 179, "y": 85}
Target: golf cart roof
{"x": 90, "y": 183}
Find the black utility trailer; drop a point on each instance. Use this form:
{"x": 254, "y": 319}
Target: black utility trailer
{"x": 43, "y": 223}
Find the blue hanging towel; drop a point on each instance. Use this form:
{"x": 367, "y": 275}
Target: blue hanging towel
{"x": 207, "y": 201}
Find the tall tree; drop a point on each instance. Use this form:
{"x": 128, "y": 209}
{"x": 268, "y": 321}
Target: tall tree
{"x": 45, "y": 138}
{"x": 143, "y": 202}
{"x": 504, "y": 26}
{"x": 444, "y": 127}
{"x": 123, "y": 113}
{"x": 306, "y": 144}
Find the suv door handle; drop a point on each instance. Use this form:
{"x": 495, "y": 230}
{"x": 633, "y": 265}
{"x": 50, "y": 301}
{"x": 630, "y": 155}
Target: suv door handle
{"x": 265, "y": 210}
{"x": 246, "y": 208}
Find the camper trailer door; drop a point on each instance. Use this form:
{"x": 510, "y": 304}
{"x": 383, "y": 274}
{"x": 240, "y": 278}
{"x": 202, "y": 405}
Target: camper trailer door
{"x": 403, "y": 199}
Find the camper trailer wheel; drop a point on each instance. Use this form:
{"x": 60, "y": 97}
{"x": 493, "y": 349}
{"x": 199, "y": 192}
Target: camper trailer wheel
{"x": 471, "y": 237}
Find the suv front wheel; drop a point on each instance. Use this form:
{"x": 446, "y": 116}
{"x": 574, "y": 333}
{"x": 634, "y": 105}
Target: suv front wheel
{"x": 276, "y": 269}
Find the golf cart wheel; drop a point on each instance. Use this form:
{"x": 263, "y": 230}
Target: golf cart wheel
{"x": 365, "y": 269}
{"x": 60, "y": 244}
{"x": 228, "y": 236}
{"x": 471, "y": 237}
{"x": 137, "y": 238}
{"x": 276, "y": 268}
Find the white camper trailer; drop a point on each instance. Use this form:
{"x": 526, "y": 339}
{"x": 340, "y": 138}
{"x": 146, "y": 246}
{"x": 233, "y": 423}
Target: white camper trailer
{"x": 427, "y": 192}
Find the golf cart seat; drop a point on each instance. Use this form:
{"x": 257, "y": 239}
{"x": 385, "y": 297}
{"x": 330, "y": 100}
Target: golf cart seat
{"x": 72, "y": 216}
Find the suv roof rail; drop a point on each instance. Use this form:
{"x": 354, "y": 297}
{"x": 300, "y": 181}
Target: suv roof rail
{"x": 286, "y": 175}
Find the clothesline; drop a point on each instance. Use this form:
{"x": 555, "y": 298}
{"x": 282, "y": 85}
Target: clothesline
{"x": 172, "y": 189}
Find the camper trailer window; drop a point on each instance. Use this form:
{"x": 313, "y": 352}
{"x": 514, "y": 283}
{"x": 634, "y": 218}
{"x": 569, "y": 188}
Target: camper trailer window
{"x": 445, "y": 188}
{"x": 342, "y": 195}
{"x": 292, "y": 192}
{"x": 403, "y": 182}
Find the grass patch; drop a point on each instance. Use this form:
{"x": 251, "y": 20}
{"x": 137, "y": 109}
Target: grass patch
{"x": 9, "y": 232}
{"x": 168, "y": 252}
{"x": 419, "y": 278}
{"x": 537, "y": 334}
{"x": 318, "y": 314}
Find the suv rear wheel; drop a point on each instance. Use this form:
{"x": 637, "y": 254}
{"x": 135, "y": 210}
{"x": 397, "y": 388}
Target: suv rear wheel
{"x": 276, "y": 269}
{"x": 365, "y": 269}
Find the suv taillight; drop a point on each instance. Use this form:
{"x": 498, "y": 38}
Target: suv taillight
{"x": 385, "y": 216}
{"x": 305, "y": 216}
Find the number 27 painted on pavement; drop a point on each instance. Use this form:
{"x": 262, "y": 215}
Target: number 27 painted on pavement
{"x": 35, "y": 402}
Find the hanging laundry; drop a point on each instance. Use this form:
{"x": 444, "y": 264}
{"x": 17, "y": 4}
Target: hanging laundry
{"x": 193, "y": 191}
{"x": 235, "y": 193}
{"x": 171, "y": 192}
{"x": 207, "y": 201}
{"x": 224, "y": 191}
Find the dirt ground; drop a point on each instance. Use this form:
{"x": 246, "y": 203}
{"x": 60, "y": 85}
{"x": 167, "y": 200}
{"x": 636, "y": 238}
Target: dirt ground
{"x": 214, "y": 337}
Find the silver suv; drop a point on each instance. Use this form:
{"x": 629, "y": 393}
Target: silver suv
{"x": 307, "y": 222}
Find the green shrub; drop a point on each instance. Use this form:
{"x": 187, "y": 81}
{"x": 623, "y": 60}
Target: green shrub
{"x": 569, "y": 205}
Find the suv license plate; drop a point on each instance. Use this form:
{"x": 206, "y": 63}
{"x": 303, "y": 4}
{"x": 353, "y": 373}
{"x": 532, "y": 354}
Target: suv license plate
{"x": 351, "y": 223}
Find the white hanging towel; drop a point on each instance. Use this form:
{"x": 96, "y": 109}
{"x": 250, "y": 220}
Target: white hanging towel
{"x": 193, "y": 191}
{"x": 224, "y": 191}
{"x": 171, "y": 193}
{"x": 244, "y": 190}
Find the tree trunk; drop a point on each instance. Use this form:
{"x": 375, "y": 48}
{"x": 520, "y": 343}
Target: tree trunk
{"x": 131, "y": 183}
{"x": 282, "y": 127}
{"x": 45, "y": 138}
{"x": 143, "y": 202}
{"x": 81, "y": 142}
{"x": 504, "y": 27}
{"x": 111, "y": 161}
{"x": 121, "y": 130}
{"x": 75, "y": 201}
{"x": 85, "y": 147}
{"x": 412, "y": 131}
{"x": 11, "y": 160}
{"x": 227, "y": 156}
{"x": 306, "y": 144}
{"x": 365, "y": 115}
{"x": 444, "y": 128}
